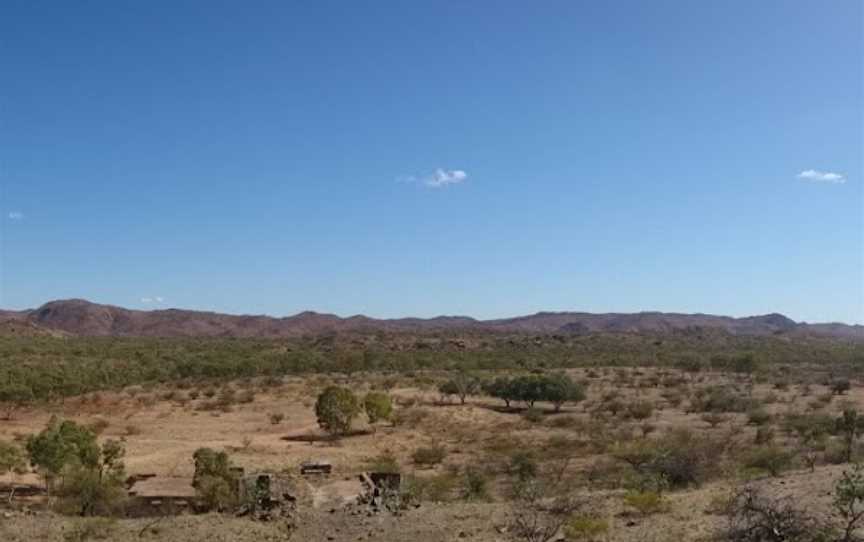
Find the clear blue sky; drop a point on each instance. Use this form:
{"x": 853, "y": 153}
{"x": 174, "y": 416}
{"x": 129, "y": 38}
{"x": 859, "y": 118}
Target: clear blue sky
{"x": 488, "y": 158}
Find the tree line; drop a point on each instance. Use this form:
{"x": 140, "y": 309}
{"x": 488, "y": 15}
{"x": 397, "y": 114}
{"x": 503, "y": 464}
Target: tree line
{"x": 50, "y": 369}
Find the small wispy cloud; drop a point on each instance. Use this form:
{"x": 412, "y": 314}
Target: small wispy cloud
{"x": 822, "y": 176}
{"x": 438, "y": 178}
{"x": 16, "y": 215}
{"x": 152, "y": 300}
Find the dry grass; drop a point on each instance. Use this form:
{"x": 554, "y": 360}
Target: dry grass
{"x": 162, "y": 427}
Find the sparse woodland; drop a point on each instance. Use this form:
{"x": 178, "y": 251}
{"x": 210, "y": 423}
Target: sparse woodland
{"x": 595, "y": 437}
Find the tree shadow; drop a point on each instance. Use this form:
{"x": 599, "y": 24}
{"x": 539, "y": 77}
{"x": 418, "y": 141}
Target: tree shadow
{"x": 324, "y": 437}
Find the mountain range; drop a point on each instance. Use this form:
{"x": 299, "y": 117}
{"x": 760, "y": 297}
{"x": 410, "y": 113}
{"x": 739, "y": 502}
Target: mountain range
{"x": 83, "y": 318}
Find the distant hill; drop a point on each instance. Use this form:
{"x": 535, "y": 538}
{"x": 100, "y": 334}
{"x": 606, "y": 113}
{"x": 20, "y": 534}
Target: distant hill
{"x": 80, "y": 317}
{"x": 15, "y": 327}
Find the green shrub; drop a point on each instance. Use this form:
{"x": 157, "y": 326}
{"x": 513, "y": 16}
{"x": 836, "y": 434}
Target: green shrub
{"x": 719, "y": 399}
{"x": 214, "y": 479}
{"x": 523, "y": 465}
{"x": 378, "y": 406}
{"x": 808, "y": 427}
{"x": 85, "y": 529}
{"x": 586, "y": 528}
{"x": 429, "y": 456}
{"x": 409, "y": 417}
{"x": 640, "y": 410}
{"x": 679, "y": 457}
{"x": 384, "y": 462}
{"x": 216, "y": 493}
{"x": 645, "y": 503}
{"x": 474, "y": 485}
{"x": 770, "y": 458}
{"x": 438, "y": 488}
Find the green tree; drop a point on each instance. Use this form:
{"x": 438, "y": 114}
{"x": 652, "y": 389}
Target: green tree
{"x": 214, "y": 479}
{"x": 560, "y": 388}
{"x": 462, "y": 385}
{"x": 60, "y": 445}
{"x": 501, "y": 388}
{"x": 378, "y": 406}
{"x": 96, "y": 489}
{"x": 530, "y": 389}
{"x": 336, "y": 409}
{"x": 11, "y": 462}
{"x": 90, "y": 476}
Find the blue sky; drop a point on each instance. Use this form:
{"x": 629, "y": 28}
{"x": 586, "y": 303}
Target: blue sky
{"x": 424, "y": 158}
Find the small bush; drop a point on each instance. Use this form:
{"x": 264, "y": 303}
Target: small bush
{"x": 409, "y": 417}
{"x": 90, "y": 529}
{"x": 720, "y": 399}
{"x": 808, "y": 427}
{"x": 679, "y": 457}
{"x": 245, "y": 397}
{"x": 755, "y": 518}
{"x": 227, "y": 396}
{"x": 378, "y": 406}
{"x": 429, "y": 456}
{"x": 276, "y": 418}
{"x": 645, "y": 503}
{"x": 769, "y": 458}
{"x": 474, "y": 485}
{"x": 384, "y": 462}
{"x": 840, "y": 386}
{"x": 640, "y": 410}
{"x": 586, "y": 528}
{"x": 215, "y": 493}
{"x": 439, "y": 488}
{"x": 758, "y": 416}
{"x": 523, "y": 465}
{"x": 132, "y": 430}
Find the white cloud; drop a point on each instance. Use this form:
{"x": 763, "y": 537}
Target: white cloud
{"x": 16, "y": 215}
{"x": 443, "y": 178}
{"x": 151, "y": 300}
{"x": 438, "y": 178}
{"x": 822, "y": 176}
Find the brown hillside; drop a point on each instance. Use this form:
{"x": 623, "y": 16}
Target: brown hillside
{"x": 80, "y": 317}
